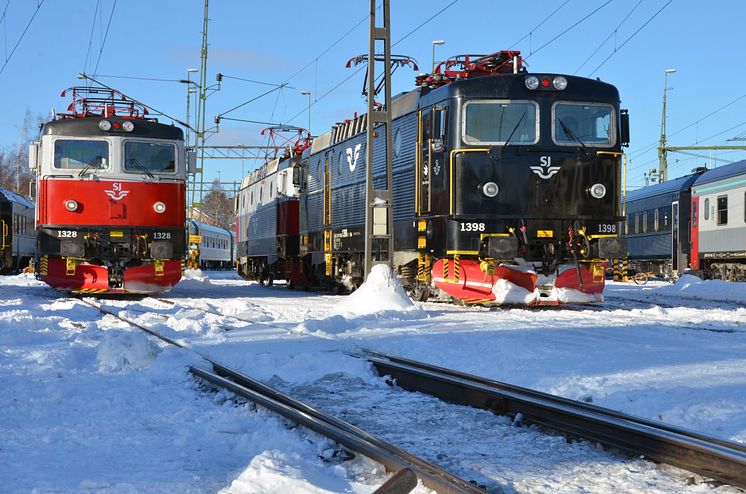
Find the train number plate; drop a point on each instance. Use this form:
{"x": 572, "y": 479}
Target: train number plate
{"x": 161, "y": 235}
{"x": 607, "y": 228}
{"x": 67, "y": 234}
{"x": 472, "y": 227}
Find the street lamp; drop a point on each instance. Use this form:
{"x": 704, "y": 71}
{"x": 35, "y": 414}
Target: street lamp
{"x": 662, "y": 151}
{"x": 436, "y": 42}
{"x": 308, "y": 93}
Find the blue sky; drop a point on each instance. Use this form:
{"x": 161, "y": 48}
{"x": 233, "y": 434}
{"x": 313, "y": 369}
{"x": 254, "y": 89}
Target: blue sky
{"x": 270, "y": 42}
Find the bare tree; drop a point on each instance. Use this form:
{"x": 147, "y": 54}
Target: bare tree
{"x": 218, "y": 206}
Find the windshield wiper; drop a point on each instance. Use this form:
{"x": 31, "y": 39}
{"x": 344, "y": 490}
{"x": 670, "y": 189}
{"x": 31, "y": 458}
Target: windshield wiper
{"x": 571, "y": 134}
{"x": 94, "y": 161}
{"x": 141, "y": 167}
{"x": 512, "y": 133}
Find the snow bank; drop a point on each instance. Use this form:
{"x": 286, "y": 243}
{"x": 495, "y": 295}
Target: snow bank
{"x": 382, "y": 291}
{"x": 509, "y": 293}
{"x": 693, "y": 287}
{"x": 119, "y": 352}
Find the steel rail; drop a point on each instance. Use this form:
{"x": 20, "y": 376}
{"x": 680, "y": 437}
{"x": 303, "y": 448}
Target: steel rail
{"x": 719, "y": 459}
{"x": 354, "y": 438}
{"x": 392, "y": 457}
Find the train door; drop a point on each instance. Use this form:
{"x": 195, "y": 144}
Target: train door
{"x": 424, "y": 157}
{"x": 694, "y": 237}
{"x": 675, "y": 244}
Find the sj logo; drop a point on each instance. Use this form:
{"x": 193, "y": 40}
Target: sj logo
{"x": 352, "y": 156}
{"x": 116, "y": 192}
{"x": 545, "y": 169}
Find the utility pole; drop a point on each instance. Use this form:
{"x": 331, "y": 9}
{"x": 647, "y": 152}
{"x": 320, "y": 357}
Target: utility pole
{"x": 200, "y": 122}
{"x": 662, "y": 156}
{"x": 379, "y": 211}
{"x": 18, "y": 157}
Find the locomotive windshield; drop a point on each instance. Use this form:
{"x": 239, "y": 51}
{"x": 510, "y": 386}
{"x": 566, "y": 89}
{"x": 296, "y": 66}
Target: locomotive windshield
{"x": 79, "y": 154}
{"x": 498, "y": 122}
{"x": 148, "y": 157}
{"x": 584, "y": 124}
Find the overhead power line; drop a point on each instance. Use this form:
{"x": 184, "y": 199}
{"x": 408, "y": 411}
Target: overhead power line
{"x": 630, "y": 37}
{"x": 8, "y": 57}
{"x": 613, "y": 33}
{"x": 568, "y": 29}
{"x": 540, "y": 24}
{"x": 90, "y": 38}
{"x": 101, "y": 50}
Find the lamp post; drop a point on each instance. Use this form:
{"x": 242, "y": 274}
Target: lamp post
{"x": 308, "y": 93}
{"x": 662, "y": 151}
{"x": 436, "y": 42}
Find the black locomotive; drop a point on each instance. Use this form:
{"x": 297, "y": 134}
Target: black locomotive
{"x": 506, "y": 186}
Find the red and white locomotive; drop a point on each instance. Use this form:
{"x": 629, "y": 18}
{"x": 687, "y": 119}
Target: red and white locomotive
{"x": 111, "y": 185}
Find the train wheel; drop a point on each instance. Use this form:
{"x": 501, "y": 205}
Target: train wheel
{"x": 420, "y": 293}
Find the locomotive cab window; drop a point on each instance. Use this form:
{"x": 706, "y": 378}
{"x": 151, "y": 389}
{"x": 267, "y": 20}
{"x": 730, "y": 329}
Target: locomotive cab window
{"x": 580, "y": 123}
{"x": 79, "y": 154}
{"x": 500, "y": 122}
{"x": 148, "y": 157}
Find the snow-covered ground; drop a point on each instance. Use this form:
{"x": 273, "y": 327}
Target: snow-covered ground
{"x": 89, "y": 404}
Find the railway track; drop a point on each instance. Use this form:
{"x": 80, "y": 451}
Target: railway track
{"x": 393, "y": 458}
{"x": 716, "y": 458}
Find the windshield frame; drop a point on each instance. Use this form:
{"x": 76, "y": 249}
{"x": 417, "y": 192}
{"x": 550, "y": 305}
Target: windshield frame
{"x": 134, "y": 170}
{"x": 507, "y": 128}
{"x": 588, "y": 144}
{"x": 57, "y": 169}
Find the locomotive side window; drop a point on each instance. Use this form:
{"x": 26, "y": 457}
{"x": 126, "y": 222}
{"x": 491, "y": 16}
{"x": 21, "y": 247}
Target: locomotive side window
{"x": 498, "y": 122}
{"x": 722, "y": 210}
{"x": 587, "y": 124}
{"x": 78, "y": 154}
{"x": 147, "y": 157}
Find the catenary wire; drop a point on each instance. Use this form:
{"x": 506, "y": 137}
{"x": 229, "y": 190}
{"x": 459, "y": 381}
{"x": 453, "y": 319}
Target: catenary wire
{"x": 630, "y": 37}
{"x": 614, "y": 32}
{"x": 540, "y": 24}
{"x": 90, "y": 38}
{"x": 25, "y": 30}
{"x": 567, "y": 30}
{"x": 101, "y": 50}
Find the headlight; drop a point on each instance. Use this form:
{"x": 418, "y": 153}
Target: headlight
{"x": 104, "y": 125}
{"x": 128, "y": 126}
{"x": 490, "y": 189}
{"x": 598, "y": 190}
{"x": 159, "y": 207}
{"x": 532, "y": 82}
{"x": 559, "y": 83}
{"x": 71, "y": 205}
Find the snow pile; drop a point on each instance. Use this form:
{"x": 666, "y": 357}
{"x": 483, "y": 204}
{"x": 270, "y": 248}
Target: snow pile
{"x": 195, "y": 275}
{"x": 382, "y": 291}
{"x": 509, "y": 293}
{"x": 693, "y": 287}
{"x": 119, "y": 352}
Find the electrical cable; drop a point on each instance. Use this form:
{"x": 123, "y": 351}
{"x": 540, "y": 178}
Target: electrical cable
{"x": 609, "y": 37}
{"x": 90, "y": 38}
{"x": 5, "y": 28}
{"x": 540, "y": 24}
{"x": 139, "y": 78}
{"x": 225, "y": 76}
{"x": 7, "y": 59}
{"x": 630, "y": 37}
{"x": 566, "y": 30}
{"x": 111, "y": 15}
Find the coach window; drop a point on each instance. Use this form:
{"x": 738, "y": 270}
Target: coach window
{"x": 397, "y": 143}
{"x": 148, "y": 157}
{"x": 501, "y": 122}
{"x": 645, "y": 222}
{"x": 637, "y": 222}
{"x": 707, "y": 208}
{"x": 79, "y": 154}
{"x": 744, "y": 206}
{"x": 723, "y": 210}
{"x": 656, "y": 220}
{"x": 578, "y": 123}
